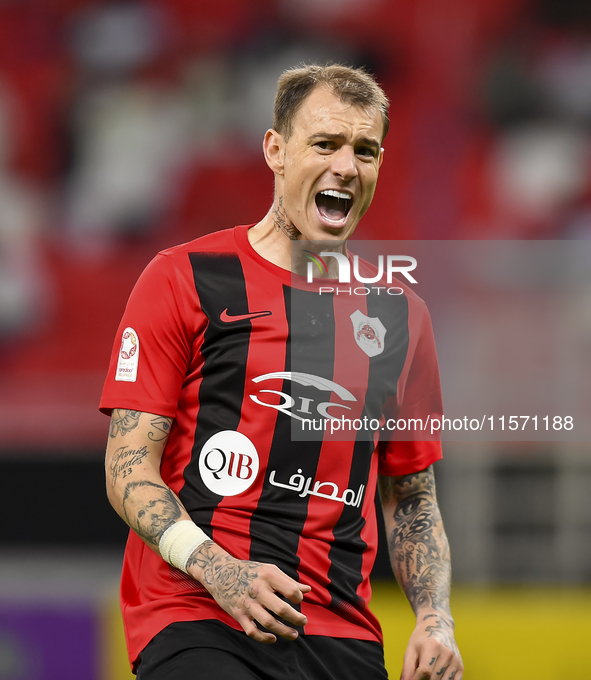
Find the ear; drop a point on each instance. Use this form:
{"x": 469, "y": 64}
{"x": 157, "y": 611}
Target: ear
{"x": 274, "y": 150}
{"x": 381, "y": 158}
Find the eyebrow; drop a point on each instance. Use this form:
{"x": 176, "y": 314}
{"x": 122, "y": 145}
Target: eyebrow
{"x": 339, "y": 135}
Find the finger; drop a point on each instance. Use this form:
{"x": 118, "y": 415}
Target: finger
{"x": 410, "y": 663}
{"x": 423, "y": 673}
{"x": 298, "y": 594}
{"x": 455, "y": 670}
{"x": 430, "y": 663}
{"x": 455, "y": 674}
{"x": 291, "y": 589}
{"x": 250, "y": 628}
{"x": 265, "y": 595}
{"x": 284, "y": 610}
{"x": 436, "y": 662}
{"x": 268, "y": 621}
{"x": 447, "y": 665}
{"x": 293, "y": 594}
{"x": 420, "y": 668}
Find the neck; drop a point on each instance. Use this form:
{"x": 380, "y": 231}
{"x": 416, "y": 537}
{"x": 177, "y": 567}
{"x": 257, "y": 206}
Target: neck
{"x": 274, "y": 238}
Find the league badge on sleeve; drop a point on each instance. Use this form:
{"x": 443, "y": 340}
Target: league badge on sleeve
{"x": 129, "y": 354}
{"x": 369, "y": 333}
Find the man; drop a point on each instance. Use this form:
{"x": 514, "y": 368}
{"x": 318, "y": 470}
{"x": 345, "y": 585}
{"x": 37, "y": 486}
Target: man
{"x": 221, "y": 349}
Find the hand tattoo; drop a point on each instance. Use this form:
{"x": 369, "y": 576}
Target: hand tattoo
{"x": 150, "y": 509}
{"x": 282, "y": 222}
{"x": 228, "y": 578}
{"x": 123, "y": 421}
{"x": 443, "y": 630}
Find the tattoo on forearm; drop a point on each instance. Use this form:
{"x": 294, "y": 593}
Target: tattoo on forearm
{"x": 419, "y": 550}
{"x": 230, "y": 579}
{"x": 397, "y": 488}
{"x": 150, "y": 509}
{"x": 123, "y": 461}
{"x": 160, "y": 428}
{"x": 417, "y": 544}
{"x": 123, "y": 421}
{"x": 282, "y": 222}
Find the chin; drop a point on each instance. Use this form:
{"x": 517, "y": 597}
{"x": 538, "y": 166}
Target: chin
{"x": 327, "y": 232}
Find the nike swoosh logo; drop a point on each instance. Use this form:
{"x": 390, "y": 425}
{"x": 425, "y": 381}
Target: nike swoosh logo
{"x": 226, "y": 318}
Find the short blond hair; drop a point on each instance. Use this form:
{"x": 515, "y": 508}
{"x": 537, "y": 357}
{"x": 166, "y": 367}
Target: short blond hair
{"x": 351, "y": 85}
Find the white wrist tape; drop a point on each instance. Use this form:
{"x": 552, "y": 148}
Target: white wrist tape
{"x": 179, "y": 541}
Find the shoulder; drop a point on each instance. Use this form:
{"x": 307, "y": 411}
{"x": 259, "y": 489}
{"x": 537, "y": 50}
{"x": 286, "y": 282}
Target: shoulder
{"x": 176, "y": 262}
{"x": 171, "y": 270}
{"x": 217, "y": 242}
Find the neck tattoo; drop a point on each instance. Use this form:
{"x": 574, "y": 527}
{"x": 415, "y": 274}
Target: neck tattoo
{"x": 282, "y": 222}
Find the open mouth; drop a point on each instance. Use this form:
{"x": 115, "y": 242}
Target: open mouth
{"x": 333, "y": 205}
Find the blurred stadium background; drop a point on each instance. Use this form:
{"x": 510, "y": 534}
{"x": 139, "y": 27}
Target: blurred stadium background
{"x": 126, "y": 127}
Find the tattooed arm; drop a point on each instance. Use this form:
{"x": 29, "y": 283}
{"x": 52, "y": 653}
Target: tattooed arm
{"x": 244, "y": 589}
{"x": 419, "y": 553}
{"x": 134, "y": 486}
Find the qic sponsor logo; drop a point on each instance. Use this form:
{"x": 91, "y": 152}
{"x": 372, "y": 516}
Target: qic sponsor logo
{"x": 392, "y": 264}
{"x": 228, "y": 463}
{"x": 307, "y": 406}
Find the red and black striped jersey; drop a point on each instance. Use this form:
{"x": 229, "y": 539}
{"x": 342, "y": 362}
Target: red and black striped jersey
{"x": 239, "y": 351}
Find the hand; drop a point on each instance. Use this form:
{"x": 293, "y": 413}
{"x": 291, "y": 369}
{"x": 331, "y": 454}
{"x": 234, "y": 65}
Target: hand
{"x": 246, "y": 590}
{"x": 432, "y": 652}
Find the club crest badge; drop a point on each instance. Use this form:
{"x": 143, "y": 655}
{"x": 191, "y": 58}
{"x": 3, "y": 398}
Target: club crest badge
{"x": 369, "y": 333}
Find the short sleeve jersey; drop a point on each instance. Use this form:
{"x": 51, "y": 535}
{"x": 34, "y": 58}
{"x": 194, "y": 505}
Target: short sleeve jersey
{"x": 223, "y": 341}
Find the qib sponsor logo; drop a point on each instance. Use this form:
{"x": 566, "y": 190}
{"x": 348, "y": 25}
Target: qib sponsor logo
{"x": 228, "y": 463}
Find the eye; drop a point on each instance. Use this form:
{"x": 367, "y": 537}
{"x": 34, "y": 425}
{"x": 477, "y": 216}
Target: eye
{"x": 324, "y": 145}
{"x": 365, "y": 151}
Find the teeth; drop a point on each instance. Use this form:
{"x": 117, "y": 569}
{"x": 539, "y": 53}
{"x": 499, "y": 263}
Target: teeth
{"x": 336, "y": 194}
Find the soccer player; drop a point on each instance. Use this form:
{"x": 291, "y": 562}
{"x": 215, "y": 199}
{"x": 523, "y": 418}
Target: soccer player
{"x": 241, "y": 534}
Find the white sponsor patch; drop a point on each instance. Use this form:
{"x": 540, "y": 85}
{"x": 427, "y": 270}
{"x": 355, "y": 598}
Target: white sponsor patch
{"x": 369, "y": 333}
{"x": 228, "y": 463}
{"x": 129, "y": 354}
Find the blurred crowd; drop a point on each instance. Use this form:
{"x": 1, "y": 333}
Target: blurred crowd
{"x": 127, "y": 126}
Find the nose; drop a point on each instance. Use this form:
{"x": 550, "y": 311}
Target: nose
{"x": 344, "y": 163}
